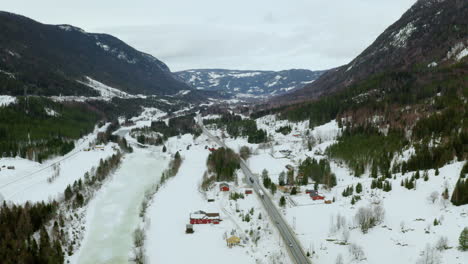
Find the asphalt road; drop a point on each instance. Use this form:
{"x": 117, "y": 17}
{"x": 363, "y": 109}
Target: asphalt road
{"x": 291, "y": 243}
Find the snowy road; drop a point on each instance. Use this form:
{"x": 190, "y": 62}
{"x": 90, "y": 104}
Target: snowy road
{"x": 289, "y": 238}
{"x": 113, "y": 214}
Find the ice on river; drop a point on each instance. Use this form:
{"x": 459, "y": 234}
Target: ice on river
{"x": 113, "y": 214}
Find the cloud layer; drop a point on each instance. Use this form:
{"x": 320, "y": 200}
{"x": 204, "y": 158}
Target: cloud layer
{"x": 242, "y": 34}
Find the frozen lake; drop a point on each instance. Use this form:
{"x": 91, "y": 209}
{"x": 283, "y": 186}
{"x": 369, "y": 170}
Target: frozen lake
{"x": 113, "y": 214}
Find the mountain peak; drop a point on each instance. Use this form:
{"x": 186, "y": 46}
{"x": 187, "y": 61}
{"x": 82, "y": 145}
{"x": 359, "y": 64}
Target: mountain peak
{"x": 430, "y": 32}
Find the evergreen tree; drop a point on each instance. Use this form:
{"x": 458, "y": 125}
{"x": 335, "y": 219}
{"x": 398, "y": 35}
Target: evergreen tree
{"x": 164, "y": 149}
{"x": 282, "y": 201}
{"x": 293, "y": 191}
{"x": 460, "y": 192}
{"x": 273, "y": 188}
{"x": 281, "y": 178}
{"x": 359, "y": 188}
{"x": 374, "y": 170}
{"x": 463, "y": 239}
{"x": 68, "y": 193}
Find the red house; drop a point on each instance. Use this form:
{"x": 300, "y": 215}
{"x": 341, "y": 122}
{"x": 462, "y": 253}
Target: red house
{"x": 201, "y": 217}
{"x": 212, "y": 149}
{"x": 314, "y": 195}
{"x": 224, "y": 187}
{"x": 248, "y": 191}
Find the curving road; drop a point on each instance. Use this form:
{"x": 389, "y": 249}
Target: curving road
{"x": 294, "y": 247}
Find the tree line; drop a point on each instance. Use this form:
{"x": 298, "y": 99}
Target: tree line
{"x": 237, "y": 127}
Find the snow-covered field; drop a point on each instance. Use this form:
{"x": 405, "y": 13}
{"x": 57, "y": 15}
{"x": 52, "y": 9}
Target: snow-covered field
{"x": 29, "y": 180}
{"x": 169, "y": 214}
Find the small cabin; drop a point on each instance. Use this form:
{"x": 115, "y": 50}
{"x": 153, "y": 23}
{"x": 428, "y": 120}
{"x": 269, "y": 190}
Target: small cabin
{"x": 11, "y": 167}
{"x": 224, "y": 187}
{"x": 233, "y": 241}
{"x": 189, "y": 229}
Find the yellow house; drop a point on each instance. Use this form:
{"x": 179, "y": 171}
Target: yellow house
{"x": 233, "y": 241}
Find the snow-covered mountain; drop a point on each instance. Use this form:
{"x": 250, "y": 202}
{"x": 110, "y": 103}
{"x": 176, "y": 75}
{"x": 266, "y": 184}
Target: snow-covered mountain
{"x": 431, "y": 33}
{"x": 58, "y": 60}
{"x": 248, "y": 83}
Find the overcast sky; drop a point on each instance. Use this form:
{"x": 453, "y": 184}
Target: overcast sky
{"x": 234, "y": 34}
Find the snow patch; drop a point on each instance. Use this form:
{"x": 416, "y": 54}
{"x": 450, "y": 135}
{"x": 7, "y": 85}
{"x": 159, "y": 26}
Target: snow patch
{"x": 51, "y": 112}
{"x": 9, "y": 74}
{"x": 107, "y": 92}
{"x": 459, "y": 51}
{"x": 6, "y": 100}
{"x": 400, "y": 38}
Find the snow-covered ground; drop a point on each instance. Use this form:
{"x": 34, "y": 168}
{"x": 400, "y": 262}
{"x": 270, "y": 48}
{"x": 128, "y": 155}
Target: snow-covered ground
{"x": 386, "y": 243}
{"x": 106, "y": 91}
{"x": 169, "y": 214}
{"x": 113, "y": 214}
{"x": 29, "y": 180}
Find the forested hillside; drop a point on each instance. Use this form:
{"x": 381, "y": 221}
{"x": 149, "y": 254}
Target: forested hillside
{"x": 37, "y": 128}
{"x": 40, "y": 59}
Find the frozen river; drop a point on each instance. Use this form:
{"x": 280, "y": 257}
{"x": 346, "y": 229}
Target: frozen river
{"x": 113, "y": 214}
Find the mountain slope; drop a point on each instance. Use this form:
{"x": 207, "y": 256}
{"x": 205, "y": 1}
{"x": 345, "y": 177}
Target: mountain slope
{"x": 430, "y": 33}
{"x": 253, "y": 83}
{"x": 49, "y": 59}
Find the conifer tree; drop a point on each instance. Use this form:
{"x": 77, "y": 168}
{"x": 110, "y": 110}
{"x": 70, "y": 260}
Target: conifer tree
{"x": 282, "y": 201}
{"x": 463, "y": 239}
{"x": 359, "y": 188}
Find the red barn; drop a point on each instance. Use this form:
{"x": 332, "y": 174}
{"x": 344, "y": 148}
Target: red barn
{"x": 201, "y": 217}
{"x": 224, "y": 187}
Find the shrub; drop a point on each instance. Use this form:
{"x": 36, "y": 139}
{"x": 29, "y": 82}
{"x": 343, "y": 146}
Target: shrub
{"x": 368, "y": 217}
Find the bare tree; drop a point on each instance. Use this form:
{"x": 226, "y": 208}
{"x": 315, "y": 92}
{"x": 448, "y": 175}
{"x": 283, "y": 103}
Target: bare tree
{"x": 429, "y": 256}
{"x": 368, "y": 217}
{"x": 356, "y": 252}
{"x": 442, "y": 243}
{"x": 339, "y": 259}
{"x": 345, "y": 234}
{"x": 433, "y": 196}
{"x": 138, "y": 237}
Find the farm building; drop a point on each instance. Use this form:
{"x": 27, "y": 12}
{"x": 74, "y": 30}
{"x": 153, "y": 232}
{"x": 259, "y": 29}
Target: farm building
{"x": 233, "y": 241}
{"x": 201, "y": 217}
{"x": 315, "y": 196}
{"x": 210, "y": 198}
{"x": 189, "y": 229}
{"x": 224, "y": 187}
